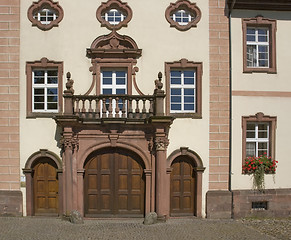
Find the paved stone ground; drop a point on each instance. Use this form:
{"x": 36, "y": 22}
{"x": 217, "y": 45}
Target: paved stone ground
{"x": 54, "y": 228}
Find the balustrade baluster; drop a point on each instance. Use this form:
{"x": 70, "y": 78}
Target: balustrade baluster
{"x": 77, "y": 110}
{"x": 110, "y": 115}
{"x": 97, "y": 108}
{"x": 90, "y": 110}
{"x": 117, "y": 107}
{"x": 123, "y": 108}
{"x": 144, "y": 111}
{"x": 151, "y": 109}
{"x": 130, "y": 114}
{"x": 137, "y": 115}
{"x": 104, "y": 108}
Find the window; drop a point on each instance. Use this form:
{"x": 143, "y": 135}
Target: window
{"x": 45, "y": 14}
{"x": 114, "y": 14}
{"x": 114, "y": 82}
{"x": 257, "y": 140}
{"x": 182, "y": 91}
{"x": 44, "y": 88}
{"x": 183, "y": 84}
{"x": 183, "y": 15}
{"x": 259, "y": 45}
{"x": 258, "y": 135}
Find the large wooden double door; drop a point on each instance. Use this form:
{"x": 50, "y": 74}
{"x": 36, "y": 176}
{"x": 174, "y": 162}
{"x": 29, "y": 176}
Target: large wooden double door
{"x": 182, "y": 187}
{"x": 45, "y": 186}
{"x": 114, "y": 184}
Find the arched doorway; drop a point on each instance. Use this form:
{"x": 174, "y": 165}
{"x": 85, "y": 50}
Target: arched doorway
{"x": 114, "y": 184}
{"x": 45, "y": 187}
{"x": 183, "y": 187}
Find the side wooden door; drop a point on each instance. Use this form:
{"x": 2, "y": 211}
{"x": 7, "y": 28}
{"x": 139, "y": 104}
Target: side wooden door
{"x": 45, "y": 186}
{"x": 182, "y": 188}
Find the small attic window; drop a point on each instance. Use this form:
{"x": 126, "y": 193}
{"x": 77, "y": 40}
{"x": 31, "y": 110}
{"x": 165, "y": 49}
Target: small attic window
{"x": 183, "y": 15}
{"x": 114, "y": 14}
{"x": 45, "y": 14}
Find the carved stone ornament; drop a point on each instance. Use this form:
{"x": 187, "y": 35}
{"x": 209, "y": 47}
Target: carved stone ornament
{"x": 114, "y": 5}
{"x": 188, "y": 7}
{"x": 114, "y": 45}
{"x": 71, "y": 143}
{"x": 69, "y": 84}
{"x": 161, "y": 143}
{"x": 45, "y": 14}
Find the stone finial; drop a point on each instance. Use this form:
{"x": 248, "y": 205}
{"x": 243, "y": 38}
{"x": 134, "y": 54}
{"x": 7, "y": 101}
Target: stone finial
{"x": 69, "y": 84}
{"x": 158, "y": 82}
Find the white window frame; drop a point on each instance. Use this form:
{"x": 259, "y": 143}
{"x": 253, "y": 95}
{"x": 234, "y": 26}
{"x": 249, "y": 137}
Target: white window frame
{"x": 183, "y": 13}
{"x": 114, "y": 11}
{"x": 254, "y": 63}
{"x": 45, "y": 86}
{"x": 258, "y": 140}
{"x": 183, "y": 86}
{"x": 38, "y": 15}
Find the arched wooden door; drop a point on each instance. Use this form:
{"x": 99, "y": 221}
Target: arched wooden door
{"x": 45, "y": 188}
{"x": 182, "y": 187}
{"x": 114, "y": 184}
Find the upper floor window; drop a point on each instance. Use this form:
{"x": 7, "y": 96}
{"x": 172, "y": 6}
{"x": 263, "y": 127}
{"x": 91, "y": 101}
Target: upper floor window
{"x": 259, "y": 45}
{"x": 114, "y": 14}
{"x": 183, "y": 85}
{"x": 183, "y": 15}
{"x": 44, "y": 88}
{"x": 45, "y": 14}
{"x": 182, "y": 91}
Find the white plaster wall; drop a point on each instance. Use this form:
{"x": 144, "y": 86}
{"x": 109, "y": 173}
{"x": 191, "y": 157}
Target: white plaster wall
{"x": 159, "y": 43}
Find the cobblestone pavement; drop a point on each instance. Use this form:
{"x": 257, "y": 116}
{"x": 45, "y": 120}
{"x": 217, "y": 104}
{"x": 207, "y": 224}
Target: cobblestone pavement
{"x": 54, "y": 228}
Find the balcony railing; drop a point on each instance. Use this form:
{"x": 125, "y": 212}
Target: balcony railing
{"x": 113, "y": 106}
{"x": 93, "y": 107}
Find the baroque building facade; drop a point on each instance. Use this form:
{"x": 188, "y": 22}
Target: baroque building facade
{"x": 120, "y": 108}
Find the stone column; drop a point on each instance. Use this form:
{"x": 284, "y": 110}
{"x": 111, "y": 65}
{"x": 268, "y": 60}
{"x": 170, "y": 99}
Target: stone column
{"x": 29, "y": 194}
{"x": 162, "y": 192}
{"x": 69, "y": 144}
{"x": 148, "y": 174}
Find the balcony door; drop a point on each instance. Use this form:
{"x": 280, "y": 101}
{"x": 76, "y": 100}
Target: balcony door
{"x": 114, "y": 82}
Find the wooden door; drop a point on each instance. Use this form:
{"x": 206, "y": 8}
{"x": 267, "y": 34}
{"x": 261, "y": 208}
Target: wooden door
{"x": 45, "y": 187}
{"x": 114, "y": 184}
{"x": 182, "y": 188}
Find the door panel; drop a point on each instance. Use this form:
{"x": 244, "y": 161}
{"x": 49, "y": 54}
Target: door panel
{"x": 46, "y": 187}
{"x": 182, "y": 187}
{"x": 114, "y": 184}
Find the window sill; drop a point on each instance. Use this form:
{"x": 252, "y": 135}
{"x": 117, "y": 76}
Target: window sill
{"x": 186, "y": 115}
{"x": 41, "y": 114}
{"x": 260, "y": 70}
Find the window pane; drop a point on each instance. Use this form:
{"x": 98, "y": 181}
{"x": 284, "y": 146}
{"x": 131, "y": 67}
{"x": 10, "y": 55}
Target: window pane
{"x": 263, "y": 126}
{"x": 52, "y": 99}
{"x": 251, "y": 126}
{"x": 120, "y": 91}
{"x": 52, "y": 91}
{"x": 263, "y": 134}
{"x": 263, "y": 146}
{"x": 39, "y": 106}
{"x": 189, "y": 74}
{"x": 251, "y": 56}
{"x": 38, "y": 99}
{"x": 189, "y": 107}
{"x": 106, "y": 91}
{"x": 52, "y": 106}
{"x": 52, "y": 80}
{"x": 52, "y": 73}
{"x": 250, "y": 149}
{"x": 175, "y": 77}
{"x": 38, "y": 91}
{"x": 175, "y": 106}
{"x": 251, "y": 31}
{"x": 189, "y": 91}
{"x": 251, "y": 134}
{"x": 175, "y": 99}
{"x": 175, "y": 91}
{"x": 189, "y": 99}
